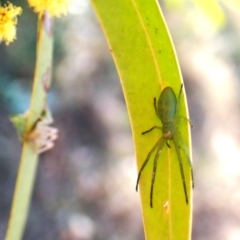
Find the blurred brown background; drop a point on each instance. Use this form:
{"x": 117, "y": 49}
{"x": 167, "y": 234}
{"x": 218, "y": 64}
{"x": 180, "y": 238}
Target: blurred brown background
{"x": 85, "y": 186}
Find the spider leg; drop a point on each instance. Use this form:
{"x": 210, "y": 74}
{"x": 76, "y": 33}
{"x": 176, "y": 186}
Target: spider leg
{"x": 168, "y": 144}
{"x": 188, "y": 120}
{"x": 180, "y": 92}
{"x": 187, "y": 153}
{"x": 181, "y": 168}
{"x": 146, "y": 160}
{"x": 160, "y": 146}
{"x": 155, "y": 106}
{"x": 179, "y": 95}
{"x": 152, "y": 128}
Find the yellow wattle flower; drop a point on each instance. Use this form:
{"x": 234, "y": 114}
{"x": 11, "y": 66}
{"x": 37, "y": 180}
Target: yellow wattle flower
{"x": 8, "y": 21}
{"x": 54, "y": 7}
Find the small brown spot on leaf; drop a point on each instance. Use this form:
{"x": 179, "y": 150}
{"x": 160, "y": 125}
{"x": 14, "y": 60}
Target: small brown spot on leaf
{"x": 48, "y": 23}
{"x": 46, "y": 80}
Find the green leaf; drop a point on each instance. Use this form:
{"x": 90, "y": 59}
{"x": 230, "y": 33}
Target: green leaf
{"x": 146, "y": 63}
{"x": 19, "y": 121}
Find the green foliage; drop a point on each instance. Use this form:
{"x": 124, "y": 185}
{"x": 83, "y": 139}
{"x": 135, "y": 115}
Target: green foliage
{"x": 19, "y": 121}
{"x": 146, "y": 63}
{"x": 29, "y": 158}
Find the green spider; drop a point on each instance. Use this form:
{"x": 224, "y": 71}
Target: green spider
{"x": 166, "y": 110}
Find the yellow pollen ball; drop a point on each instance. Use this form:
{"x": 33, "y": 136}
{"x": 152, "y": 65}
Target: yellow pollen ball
{"x": 8, "y": 21}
